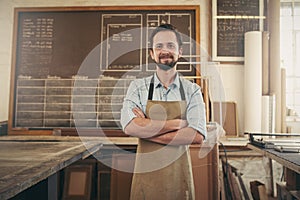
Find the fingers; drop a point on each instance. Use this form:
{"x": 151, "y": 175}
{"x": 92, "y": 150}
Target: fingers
{"x": 184, "y": 123}
{"x": 138, "y": 112}
{"x": 180, "y": 123}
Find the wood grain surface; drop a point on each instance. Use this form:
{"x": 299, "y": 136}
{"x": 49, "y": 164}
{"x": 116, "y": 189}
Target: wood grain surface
{"x": 25, "y": 161}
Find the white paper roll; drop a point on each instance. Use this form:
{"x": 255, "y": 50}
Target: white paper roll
{"x": 283, "y": 100}
{"x": 268, "y": 114}
{"x": 253, "y": 82}
{"x": 265, "y": 115}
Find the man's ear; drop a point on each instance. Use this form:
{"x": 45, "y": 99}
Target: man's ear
{"x": 151, "y": 53}
{"x": 180, "y": 52}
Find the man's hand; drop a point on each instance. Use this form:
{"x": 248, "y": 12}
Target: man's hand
{"x": 182, "y": 123}
{"x": 138, "y": 112}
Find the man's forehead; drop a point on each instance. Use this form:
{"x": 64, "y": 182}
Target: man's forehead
{"x": 165, "y": 37}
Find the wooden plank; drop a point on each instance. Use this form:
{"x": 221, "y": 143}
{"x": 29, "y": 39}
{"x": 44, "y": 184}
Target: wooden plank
{"x": 205, "y": 173}
{"x": 225, "y": 113}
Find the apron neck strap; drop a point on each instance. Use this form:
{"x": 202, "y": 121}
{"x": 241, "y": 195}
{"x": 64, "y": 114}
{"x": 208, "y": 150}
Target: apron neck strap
{"x": 151, "y": 88}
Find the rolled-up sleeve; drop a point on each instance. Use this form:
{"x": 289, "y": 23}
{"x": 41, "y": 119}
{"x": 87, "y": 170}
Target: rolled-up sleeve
{"x": 131, "y": 101}
{"x": 196, "y": 117}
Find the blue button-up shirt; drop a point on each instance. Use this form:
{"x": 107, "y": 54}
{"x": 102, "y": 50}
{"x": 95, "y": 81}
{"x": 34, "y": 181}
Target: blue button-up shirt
{"x": 137, "y": 96}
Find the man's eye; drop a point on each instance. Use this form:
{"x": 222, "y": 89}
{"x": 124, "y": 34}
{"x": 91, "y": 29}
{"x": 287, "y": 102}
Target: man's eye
{"x": 171, "y": 46}
{"x": 158, "y": 46}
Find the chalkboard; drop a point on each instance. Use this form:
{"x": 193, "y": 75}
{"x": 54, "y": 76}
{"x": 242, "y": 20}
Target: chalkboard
{"x": 231, "y": 20}
{"x": 72, "y": 65}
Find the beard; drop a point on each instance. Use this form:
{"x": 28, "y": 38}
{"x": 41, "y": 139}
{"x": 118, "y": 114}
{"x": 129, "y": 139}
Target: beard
{"x": 167, "y": 65}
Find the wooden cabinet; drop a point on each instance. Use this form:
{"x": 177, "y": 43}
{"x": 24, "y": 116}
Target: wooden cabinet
{"x": 205, "y": 173}
{"x": 121, "y": 181}
{"x": 115, "y": 184}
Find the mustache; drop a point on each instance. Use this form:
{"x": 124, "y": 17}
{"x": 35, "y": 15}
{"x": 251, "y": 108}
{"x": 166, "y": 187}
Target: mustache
{"x": 165, "y": 55}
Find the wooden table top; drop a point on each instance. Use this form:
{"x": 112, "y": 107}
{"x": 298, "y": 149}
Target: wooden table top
{"x": 25, "y": 161}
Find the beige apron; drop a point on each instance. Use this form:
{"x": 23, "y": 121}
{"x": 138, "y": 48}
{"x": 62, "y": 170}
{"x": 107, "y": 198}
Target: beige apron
{"x": 163, "y": 171}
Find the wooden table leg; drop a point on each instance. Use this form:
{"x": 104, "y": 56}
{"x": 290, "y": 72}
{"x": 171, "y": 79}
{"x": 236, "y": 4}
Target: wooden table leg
{"x": 52, "y": 186}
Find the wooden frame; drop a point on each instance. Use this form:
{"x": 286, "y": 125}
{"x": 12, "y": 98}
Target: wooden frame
{"x": 229, "y": 118}
{"x": 78, "y": 182}
{"x": 103, "y": 191}
{"x": 39, "y": 127}
{"x": 230, "y": 27}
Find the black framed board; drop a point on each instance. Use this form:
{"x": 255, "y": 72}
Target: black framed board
{"x": 231, "y": 20}
{"x": 72, "y": 65}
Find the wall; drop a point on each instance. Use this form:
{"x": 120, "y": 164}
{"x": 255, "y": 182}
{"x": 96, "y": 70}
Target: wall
{"x": 232, "y": 75}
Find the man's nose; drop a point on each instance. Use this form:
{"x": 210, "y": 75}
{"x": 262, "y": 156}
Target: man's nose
{"x": 165, "y": 48}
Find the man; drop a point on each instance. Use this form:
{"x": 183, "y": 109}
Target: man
{"x": 167, "y": 113}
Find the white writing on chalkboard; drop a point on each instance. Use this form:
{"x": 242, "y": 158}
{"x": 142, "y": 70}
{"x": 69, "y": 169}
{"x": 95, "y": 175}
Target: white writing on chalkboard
{"x": 238, "y": 7}
{"x": 37, "y": 41}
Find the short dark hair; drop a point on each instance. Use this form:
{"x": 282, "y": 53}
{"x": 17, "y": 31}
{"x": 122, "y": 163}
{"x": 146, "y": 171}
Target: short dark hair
{"x": 166, "y": 27}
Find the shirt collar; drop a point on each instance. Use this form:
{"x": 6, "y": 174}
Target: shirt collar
{"x": 157, "y": 82}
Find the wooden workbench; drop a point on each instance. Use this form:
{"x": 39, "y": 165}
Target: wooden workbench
{"x": 27, "y": 160}
{"x": 291, "y": 162}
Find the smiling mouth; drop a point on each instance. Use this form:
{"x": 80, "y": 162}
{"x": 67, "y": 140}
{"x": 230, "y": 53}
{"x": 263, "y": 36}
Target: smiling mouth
{"x": 166, "y": 58}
